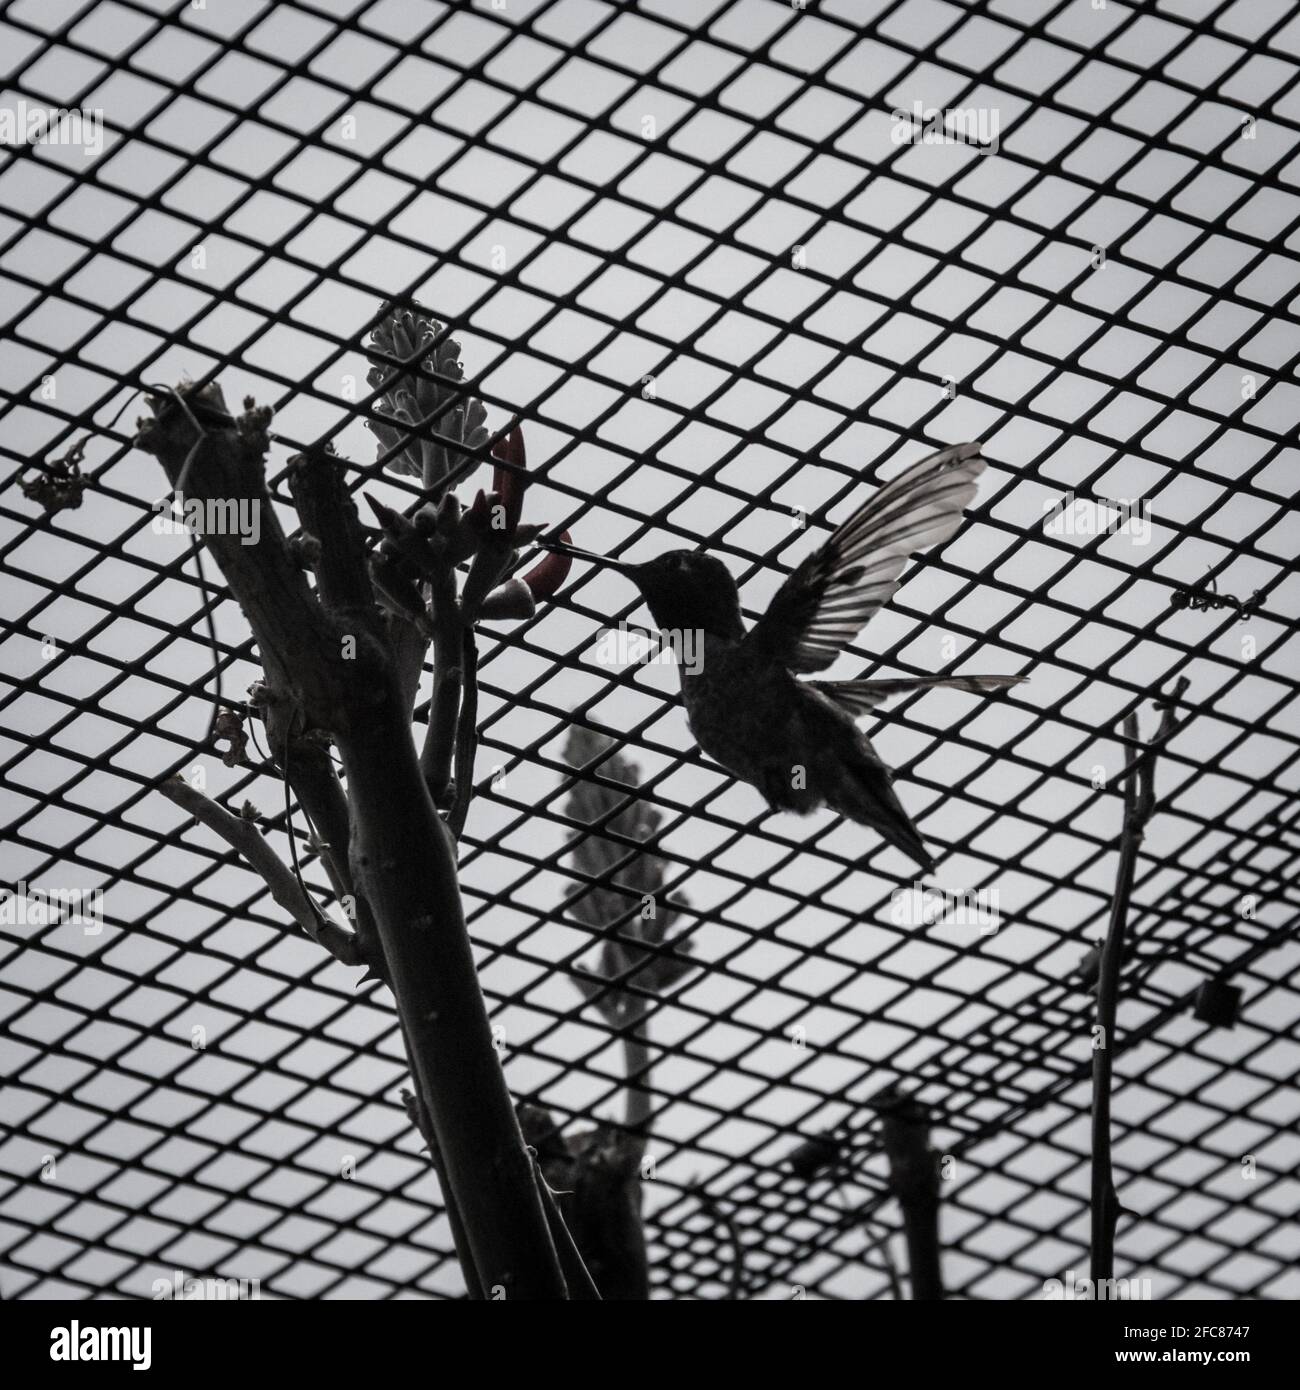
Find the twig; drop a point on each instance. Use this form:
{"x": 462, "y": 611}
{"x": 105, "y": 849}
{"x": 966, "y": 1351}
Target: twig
{"x": 1139, "y": 802}
{"x": 242, "y": 835}
{"x": 466, "y": 735}
{"x": 1169, "y": 726}
{"x": 711, "y": 1207}
{"x": 878, "y": 1238}
{"x": 881, "y": 1245}
{"x": 444, "y": 708}
{"x": 316, "y": 786}
{"x": 582, "y": 1287}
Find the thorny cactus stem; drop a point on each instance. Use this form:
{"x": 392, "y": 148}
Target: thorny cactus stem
{"x": 343, "y": 661}
{"x": 336, "y": 665}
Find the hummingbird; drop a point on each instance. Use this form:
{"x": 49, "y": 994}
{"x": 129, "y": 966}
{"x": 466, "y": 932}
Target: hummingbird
{"x": 798, "y": 741}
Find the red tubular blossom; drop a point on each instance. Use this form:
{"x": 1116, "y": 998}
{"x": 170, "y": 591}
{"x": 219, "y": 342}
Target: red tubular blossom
{"x": 545, "y": 578}
{"x": 510, "y": 483}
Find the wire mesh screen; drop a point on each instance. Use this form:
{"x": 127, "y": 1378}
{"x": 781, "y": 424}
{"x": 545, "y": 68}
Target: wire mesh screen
{"x": 732, "y": 263}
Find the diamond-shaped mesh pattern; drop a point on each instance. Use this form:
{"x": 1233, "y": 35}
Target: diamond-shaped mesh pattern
{"x": 683, "y": 242}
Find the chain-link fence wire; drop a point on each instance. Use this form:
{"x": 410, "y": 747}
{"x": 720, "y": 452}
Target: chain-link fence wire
{"x": 729, "y": 269}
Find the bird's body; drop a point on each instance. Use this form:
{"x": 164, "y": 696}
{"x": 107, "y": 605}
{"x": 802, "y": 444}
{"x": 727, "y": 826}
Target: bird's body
{"x": 798, "y": 741}
{"x": 788, "y": 739}
{"x": 748, "y": 714}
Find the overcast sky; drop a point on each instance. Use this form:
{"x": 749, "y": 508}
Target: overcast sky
{"x": 726, "y": 299}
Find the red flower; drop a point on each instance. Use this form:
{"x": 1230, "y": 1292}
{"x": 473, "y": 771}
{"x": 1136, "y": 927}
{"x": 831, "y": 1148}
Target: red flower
{"x": 545, "y": 578}
{"x": 509, "y": 483}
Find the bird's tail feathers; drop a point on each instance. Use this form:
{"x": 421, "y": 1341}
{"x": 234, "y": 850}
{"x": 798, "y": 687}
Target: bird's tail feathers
{"x": 863, "y": 791}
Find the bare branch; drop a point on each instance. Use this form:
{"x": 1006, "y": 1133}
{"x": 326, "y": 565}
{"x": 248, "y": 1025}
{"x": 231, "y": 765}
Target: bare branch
{"x": 439, "y": 750}
{"x": 242, "y": 835}
{"x": 466, "y": 735}
{"x": 1139, "y": 803}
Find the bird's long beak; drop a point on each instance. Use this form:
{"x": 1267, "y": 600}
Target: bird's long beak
{"x": 564, "y": 548}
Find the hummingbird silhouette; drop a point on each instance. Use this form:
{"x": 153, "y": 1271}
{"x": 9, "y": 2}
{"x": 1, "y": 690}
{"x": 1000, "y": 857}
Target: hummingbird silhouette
{"x": 796, "y": 740}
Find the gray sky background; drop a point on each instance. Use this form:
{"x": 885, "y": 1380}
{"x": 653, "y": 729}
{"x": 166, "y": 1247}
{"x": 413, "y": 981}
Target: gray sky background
{"x": 1131, "y": 386}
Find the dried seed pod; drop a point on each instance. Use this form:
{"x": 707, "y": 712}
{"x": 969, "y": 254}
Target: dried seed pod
{"x": 511, "y": 600}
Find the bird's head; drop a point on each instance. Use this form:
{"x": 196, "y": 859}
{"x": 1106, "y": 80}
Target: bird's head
{"x": 683, "y": 589}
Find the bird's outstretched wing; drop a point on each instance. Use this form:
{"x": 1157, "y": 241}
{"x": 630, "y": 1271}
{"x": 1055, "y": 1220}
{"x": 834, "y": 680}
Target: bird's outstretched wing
{"x": 823, "y": 605}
